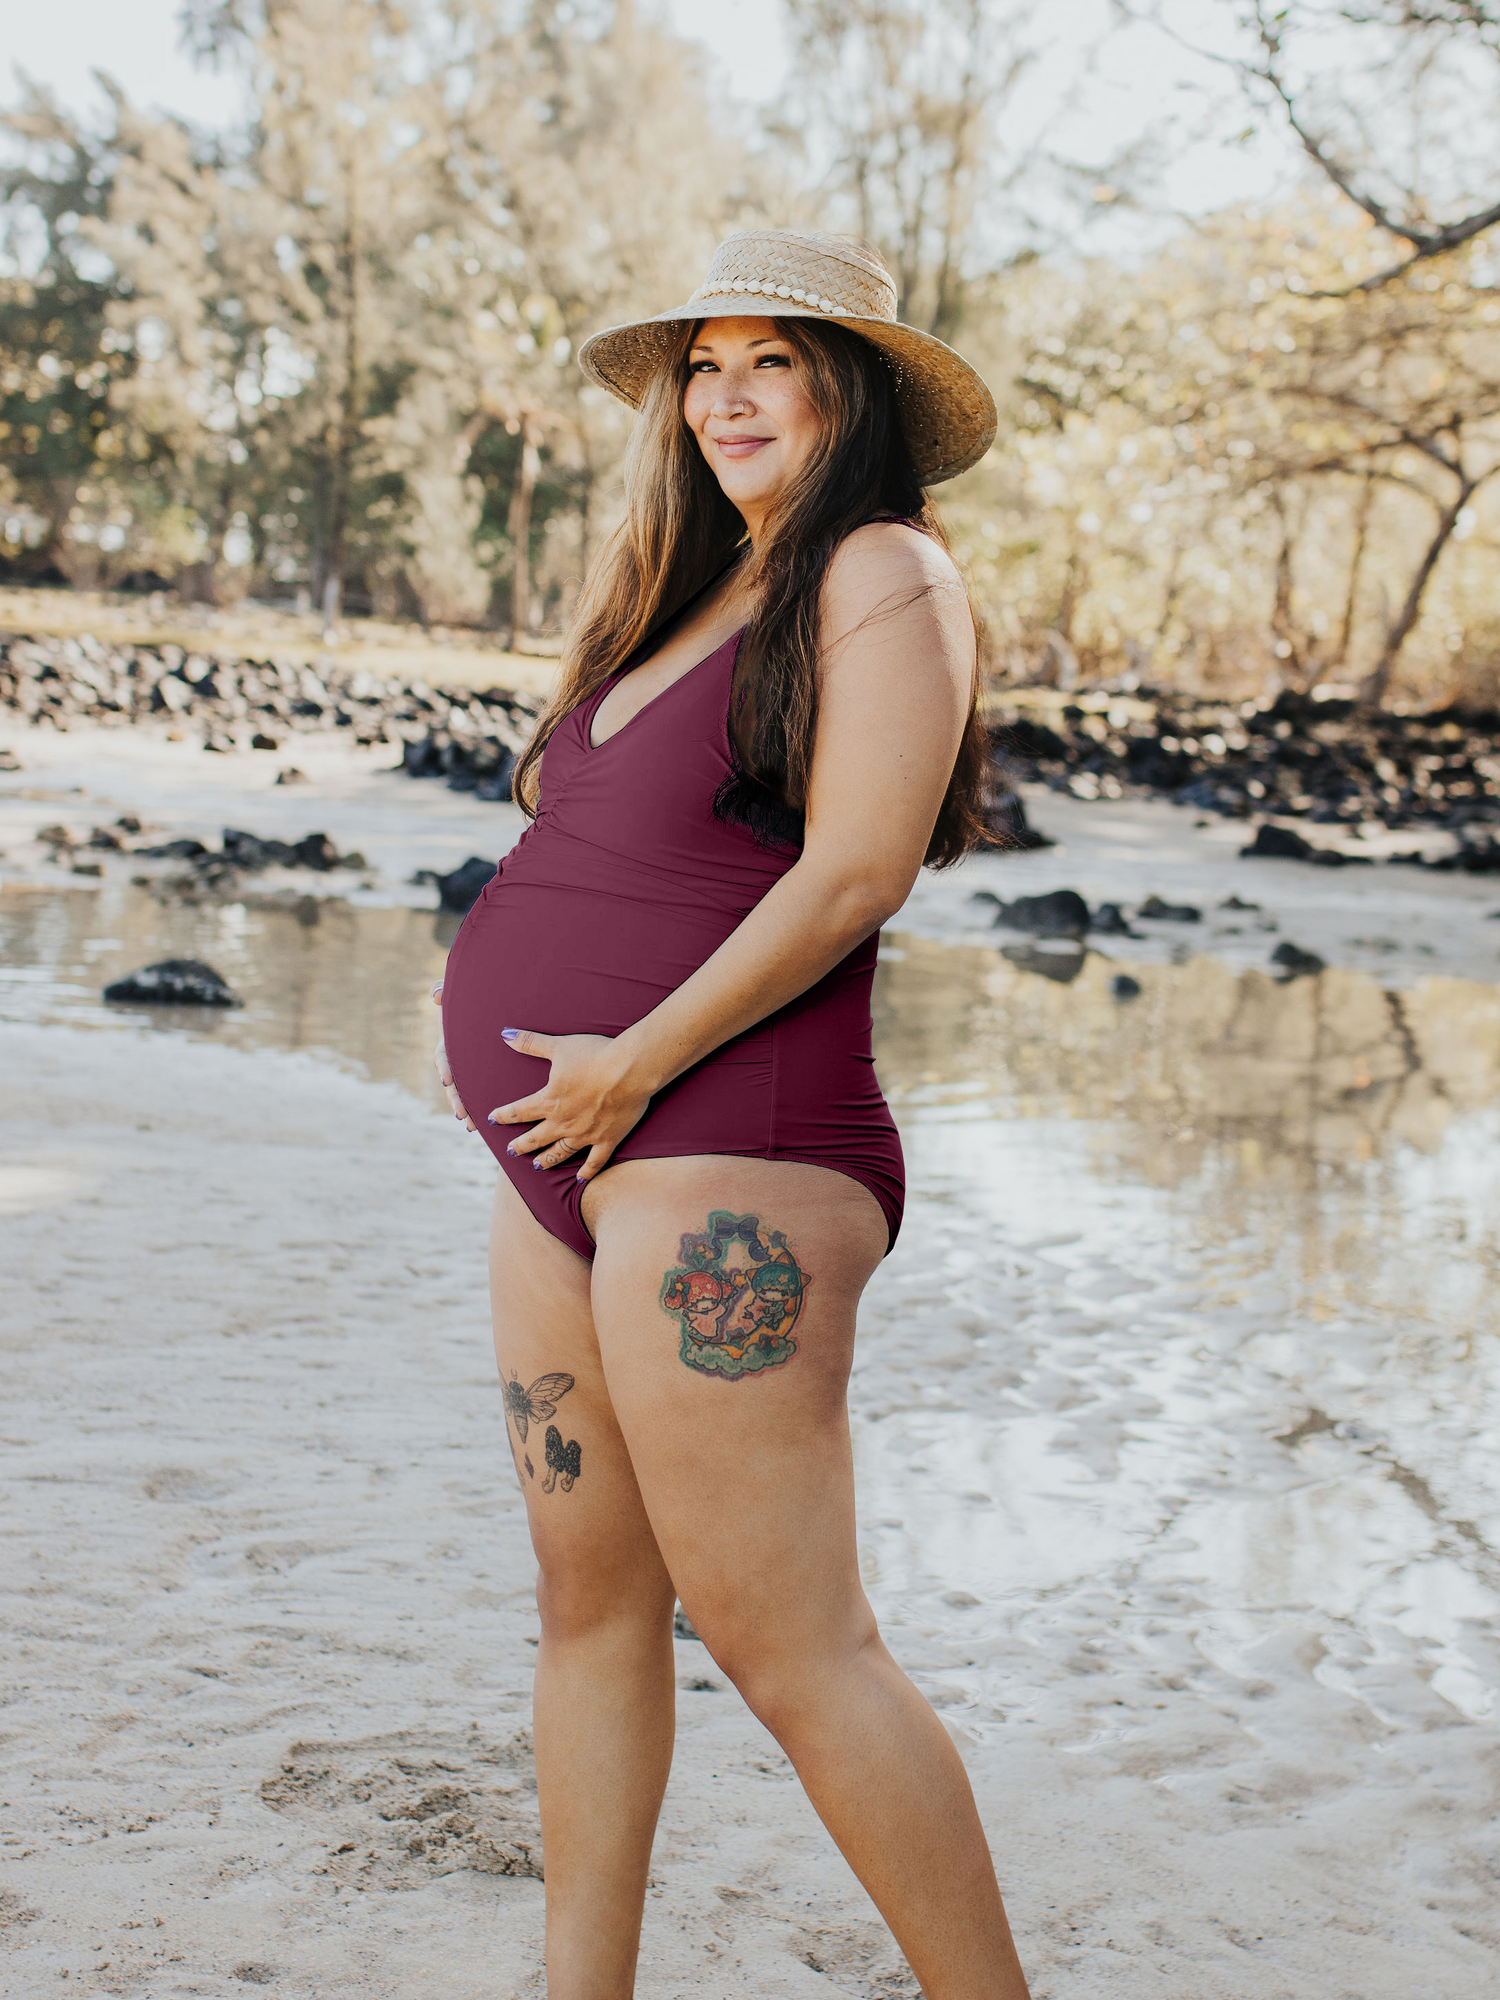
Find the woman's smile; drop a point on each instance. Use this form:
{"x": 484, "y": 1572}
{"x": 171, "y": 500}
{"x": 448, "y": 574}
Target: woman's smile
{"x": 740, "y": 446}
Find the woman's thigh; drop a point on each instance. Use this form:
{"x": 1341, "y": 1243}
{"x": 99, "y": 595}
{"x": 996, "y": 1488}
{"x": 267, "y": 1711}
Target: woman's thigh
{"x": 724, "y": 1295}
{"x": 588, "y": 1526}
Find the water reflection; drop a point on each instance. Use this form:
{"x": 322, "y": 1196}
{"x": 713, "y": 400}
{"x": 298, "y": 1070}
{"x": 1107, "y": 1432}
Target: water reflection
{"x": 1324, "y": 1119}
{"x": 314, "y": 973}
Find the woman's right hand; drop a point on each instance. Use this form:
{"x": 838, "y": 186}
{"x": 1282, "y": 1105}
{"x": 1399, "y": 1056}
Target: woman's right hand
{"x": 445, "y": 1074}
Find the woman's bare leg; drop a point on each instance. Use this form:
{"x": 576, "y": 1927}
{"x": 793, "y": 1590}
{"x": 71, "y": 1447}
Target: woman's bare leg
{"x": 747, "y": 1479}
{"x": 604, "y": 1712}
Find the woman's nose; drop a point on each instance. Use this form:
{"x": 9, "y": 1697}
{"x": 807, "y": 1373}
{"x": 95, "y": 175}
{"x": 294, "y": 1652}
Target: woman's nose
{"x": 733, "y": 398}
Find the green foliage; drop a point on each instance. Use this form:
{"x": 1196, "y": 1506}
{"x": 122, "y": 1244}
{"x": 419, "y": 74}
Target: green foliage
{"x": 333, "y": 350}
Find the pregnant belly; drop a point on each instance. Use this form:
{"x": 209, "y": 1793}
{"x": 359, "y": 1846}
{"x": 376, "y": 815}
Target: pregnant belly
{"x": 570, "y": 962}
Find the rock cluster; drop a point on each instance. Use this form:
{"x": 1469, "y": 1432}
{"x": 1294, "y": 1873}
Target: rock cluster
{"x": 1063, "y": 913}
{"x": 471, "y": 739}
{"x": 1058, "y": 923}
{"x": 1328, "y": 762}
{"x": 204, "y": 867}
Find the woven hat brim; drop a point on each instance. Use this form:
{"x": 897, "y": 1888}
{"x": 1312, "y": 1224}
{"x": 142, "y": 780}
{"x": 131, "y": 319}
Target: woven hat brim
{"x": 947, "y": 413}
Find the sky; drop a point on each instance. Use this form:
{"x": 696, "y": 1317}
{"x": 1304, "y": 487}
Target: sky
{"x": 1133, "y": 79}
{"x": 61, "y": 42}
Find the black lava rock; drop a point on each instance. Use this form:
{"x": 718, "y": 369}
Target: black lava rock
{"x": 1005, "y": 816}
{"x": 1296, "y": 963}
{"x": 496, "y": 783}
{"x": 1061, "y": 914}
{"x": 1169, "y": 913}
{"x": 251, "y": 852}
{"x": 1109, "y": 921}
{"x": 174, "y": 982}
{"x": 172, "y": 850}
{"x": 1062, "y": 967}
{"x": 315, "y": 850}
{"x": 1280, "y": 843}
{"x": 461, "y": 889}
{"x": 1474, "y": 857}
{"x": 1124, "y": 987}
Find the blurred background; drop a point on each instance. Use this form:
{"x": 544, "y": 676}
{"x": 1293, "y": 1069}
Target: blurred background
{"x": 290, "y": 292}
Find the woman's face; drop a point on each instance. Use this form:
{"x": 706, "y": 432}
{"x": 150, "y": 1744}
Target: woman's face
{"x": 746, "y": 405}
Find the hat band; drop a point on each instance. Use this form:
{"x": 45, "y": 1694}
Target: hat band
{"x": 767, "y": 290}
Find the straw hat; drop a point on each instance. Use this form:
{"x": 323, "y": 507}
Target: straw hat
{"x": 947, "y": 413}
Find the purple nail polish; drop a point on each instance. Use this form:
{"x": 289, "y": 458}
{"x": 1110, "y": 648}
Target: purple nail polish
{"x": 536, "y": 1163}
{"x": 511, "y": 1150}
{"x": 509, "y": 1034}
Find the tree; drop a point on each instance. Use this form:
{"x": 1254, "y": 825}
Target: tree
{"x": 588, "y": 138}
{"x": 897, "y": 109}
{"x": 1391, "y": 102}
{"x": 58, "y": 363}
{"x": 1223, "y": 465}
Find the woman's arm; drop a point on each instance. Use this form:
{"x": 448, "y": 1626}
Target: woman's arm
{"x": 898, "y": 664}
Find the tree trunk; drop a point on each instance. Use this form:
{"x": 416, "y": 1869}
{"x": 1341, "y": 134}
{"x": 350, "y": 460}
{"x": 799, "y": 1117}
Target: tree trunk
{"x": 1373, "y": 693}
{"x": 947, "y": 310}
{"x": 1075, "y": 582}
{"x": 343, "y": 432}
{"x": 519, "y": 526}
{"x": 1294, "y": 664}
{"x": 1356, "y": 562}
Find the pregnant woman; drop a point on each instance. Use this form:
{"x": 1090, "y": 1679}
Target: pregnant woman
{"x": 658, "y": 1016}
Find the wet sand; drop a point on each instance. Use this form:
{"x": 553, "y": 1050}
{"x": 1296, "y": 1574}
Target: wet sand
{"x": 1173, "y": 1415}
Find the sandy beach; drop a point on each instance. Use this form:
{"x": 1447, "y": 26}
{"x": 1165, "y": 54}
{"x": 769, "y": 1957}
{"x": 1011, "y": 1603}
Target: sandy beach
{"x": 1178, "y": 1491}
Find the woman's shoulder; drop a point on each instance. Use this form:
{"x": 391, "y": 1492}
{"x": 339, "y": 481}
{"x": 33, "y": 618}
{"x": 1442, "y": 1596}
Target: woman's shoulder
{"x": 886, "y": 560}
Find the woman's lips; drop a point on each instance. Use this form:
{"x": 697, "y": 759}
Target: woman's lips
{"x": 740, "y": 447}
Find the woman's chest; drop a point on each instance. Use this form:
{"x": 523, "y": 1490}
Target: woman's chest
{"x": 652, "y": 681}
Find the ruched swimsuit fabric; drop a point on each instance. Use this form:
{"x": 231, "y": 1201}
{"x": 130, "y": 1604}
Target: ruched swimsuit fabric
{"x": 622, "y": 886}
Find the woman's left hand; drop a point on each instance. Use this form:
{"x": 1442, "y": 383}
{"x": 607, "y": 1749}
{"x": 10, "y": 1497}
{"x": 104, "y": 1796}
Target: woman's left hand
{"x": 588, "y": 1104}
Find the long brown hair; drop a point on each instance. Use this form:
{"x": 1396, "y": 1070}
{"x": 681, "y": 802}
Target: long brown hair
{"x": 680, "y": 532}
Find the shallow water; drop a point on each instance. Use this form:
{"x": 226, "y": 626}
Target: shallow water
{"x": 314, "y": 973}
{"x": 1175, "y": 1408}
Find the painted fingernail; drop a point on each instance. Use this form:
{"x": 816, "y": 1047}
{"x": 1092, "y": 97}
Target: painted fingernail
{"x": 491, "y": 1119}
{"x": 509, "y": 1034}
{"x": 536, "y": 1163}
{"x": 510, "y": 1149}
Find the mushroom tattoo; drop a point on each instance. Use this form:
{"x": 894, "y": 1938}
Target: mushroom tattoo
{"x": 564, "y": 1461}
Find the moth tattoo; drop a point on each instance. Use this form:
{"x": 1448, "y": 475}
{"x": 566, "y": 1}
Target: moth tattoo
{"x": 536, "y": 1404}
{"x": 736, "y": 1295}
{"x": 564, "y": 1461}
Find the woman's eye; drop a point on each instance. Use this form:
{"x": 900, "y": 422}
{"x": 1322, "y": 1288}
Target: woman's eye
{"x": 773, "y": 361}
{"x": 700, "y": 367}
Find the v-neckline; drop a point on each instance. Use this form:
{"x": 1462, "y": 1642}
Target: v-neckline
{"x": 687, "y": 673}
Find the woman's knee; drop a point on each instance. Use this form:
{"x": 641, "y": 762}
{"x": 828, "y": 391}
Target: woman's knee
{"x": 579, "y": 1597}
{"x": 786, "y": 1672}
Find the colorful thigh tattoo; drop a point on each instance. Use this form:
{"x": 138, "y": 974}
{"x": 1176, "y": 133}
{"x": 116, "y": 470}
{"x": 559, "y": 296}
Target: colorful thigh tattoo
{"x": 736, "y": 1294}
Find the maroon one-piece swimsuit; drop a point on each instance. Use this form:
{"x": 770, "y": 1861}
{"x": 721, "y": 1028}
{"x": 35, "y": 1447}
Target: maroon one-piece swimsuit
{"x": 622, "y": 886}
